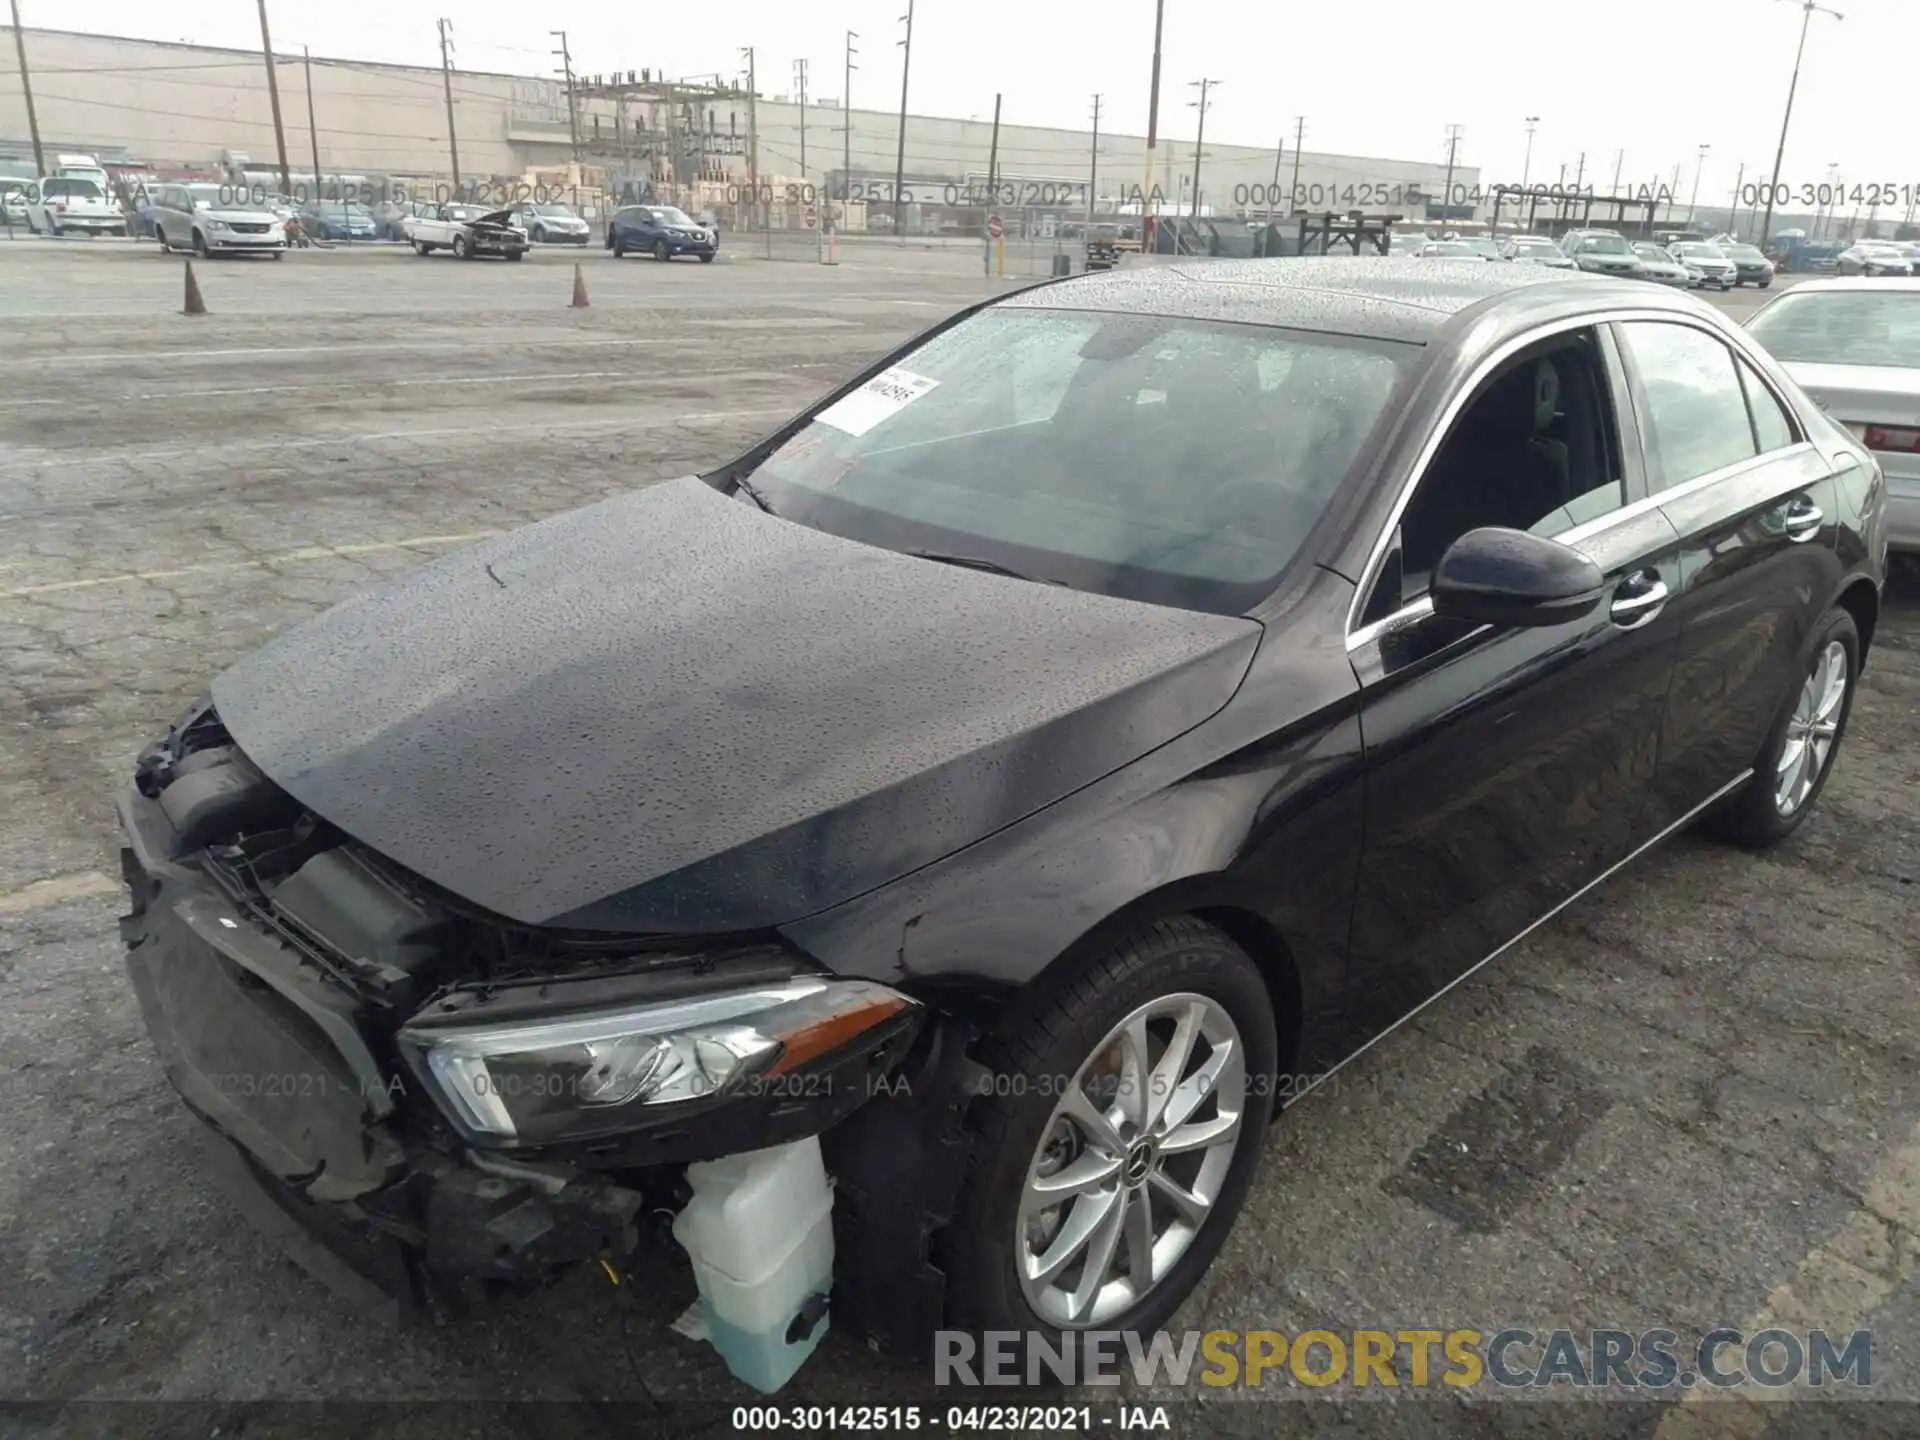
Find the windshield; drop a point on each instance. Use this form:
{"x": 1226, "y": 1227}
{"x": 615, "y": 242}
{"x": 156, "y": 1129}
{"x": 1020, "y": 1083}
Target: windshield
{"x": 70, "y": 188}
{"x": 220, "y": 197}
{"x": 1743, "y": 252}
{"x": 561, "y": 211}
{"x": 667, "y": 215}
{"x": 1605, "y": 245}
{"x": 1698, "y": 252}
{"x": 1650, "y": 251}
{"x": 337, "y": 207}
{"x": 1180, "y": 462}
{"x": 1536, "y": 247}
{"x": 1842, "y": 327}
{"x": 1448, "y": 247}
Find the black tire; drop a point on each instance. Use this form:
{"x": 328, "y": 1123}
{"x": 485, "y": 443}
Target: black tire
{"x": 660, "y": 251}
{"x": 160, "y": 236}
{"x": 461, "y": 249}
{"x": 515, "y": 254}
{"x": 200, "y": 245}
{"x": 1764, "y": 283}
{"x": 1051, "y": 1032}
{"x": 706, "y": 259}
{"x": 422, "y": 249}
{"x": 1751, "y": 818}
{"x": 619, "y": 250}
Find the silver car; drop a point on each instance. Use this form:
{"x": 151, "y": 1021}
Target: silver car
{"x": 1536, "y": 250}
{"x": 1707, "y": 265}
{"x": 550, "y": 224}
{"x": 1660, "y": 265}
{"x": 1603, "y": 252}
{"x": 1854, "y": 346}
{"x": 213, "y": 219}
{"x": 1875, "y": 257}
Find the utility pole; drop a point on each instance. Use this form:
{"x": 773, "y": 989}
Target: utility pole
{"x": 1153, "y": 126}
{"x": 753, "y": 135}
{"x": 846, "y": 123}
{"x": 1273, "y": 191}
{"x": 993, "y": 153}
{"x": 900, "y": 152}
{"x": 26, "y": 86}
{"x": 573, "y": 114}
{"x": 273, "y": 95}
{"x": 446, "y": 77}
{"x": 1699, "y": 163}
{"x": 1580, "y": 171}
{"x": 1619, "y": 159}
{"x": 313, "y": 132}
{"x": 1733, "y": 215}
{"x": 800, "y": 83}
{"x": 1807, "y": 7}
{"x": 1199, "y": 138}
{"x": 1526, "y": 165}
{"x": 1299, "y": 139}
{"x": 1453, "y": 146}
{"x": 1093, "y": 172}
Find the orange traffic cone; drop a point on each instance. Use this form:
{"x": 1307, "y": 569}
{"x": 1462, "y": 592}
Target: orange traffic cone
{"x": 195, "y": 305}
{"x": 579, "y": 289}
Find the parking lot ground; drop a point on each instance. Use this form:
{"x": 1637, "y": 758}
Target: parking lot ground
{"x": 1690, "y": 1102}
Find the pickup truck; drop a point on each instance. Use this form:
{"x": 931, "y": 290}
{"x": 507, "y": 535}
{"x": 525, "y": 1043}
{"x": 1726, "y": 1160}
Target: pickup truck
{"x": 469, "y": 231}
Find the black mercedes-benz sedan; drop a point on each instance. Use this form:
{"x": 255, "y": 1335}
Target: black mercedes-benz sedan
{"x": 1029, "y": 770}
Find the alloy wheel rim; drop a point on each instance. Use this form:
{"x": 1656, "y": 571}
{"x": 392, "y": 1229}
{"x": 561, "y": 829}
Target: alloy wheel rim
{"x": 1132, "y": 1161}
{"x": 1812, "y": 729}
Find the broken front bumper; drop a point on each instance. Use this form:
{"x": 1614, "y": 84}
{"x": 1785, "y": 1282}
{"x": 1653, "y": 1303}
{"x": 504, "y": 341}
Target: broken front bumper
{"x": 331, "y": 1144}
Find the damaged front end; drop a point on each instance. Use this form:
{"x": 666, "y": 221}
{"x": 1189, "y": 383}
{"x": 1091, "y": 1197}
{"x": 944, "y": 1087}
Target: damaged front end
{"x": 437, "y": 1094}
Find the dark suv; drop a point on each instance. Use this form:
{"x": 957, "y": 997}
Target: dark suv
{"x": 660, "y": 231}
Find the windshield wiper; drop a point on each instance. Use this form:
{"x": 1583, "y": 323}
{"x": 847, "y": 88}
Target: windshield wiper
{"x": 752, "y": 494}
{"x": 974, "y": 562}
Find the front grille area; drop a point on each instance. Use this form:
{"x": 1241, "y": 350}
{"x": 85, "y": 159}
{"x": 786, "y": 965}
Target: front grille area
{"x": 249, "y": 227}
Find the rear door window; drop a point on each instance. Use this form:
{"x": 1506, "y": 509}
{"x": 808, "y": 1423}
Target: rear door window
{"x": 1696, "y": 417}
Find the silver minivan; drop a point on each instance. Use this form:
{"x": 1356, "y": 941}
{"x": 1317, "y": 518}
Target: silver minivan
{"x": 215, "y": 219}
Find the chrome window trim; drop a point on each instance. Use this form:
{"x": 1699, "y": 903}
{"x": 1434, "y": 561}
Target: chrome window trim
{"x": 1506, "y": 350}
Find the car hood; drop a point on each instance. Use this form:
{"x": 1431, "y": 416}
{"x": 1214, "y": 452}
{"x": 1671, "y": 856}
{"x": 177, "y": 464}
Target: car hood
{"x": 244, "y": 217}
{"x": 671, "y": 712}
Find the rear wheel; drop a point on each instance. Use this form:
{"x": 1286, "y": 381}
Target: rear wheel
{"x": 1123, "y": 1124}
{"x": 1804, "y": 743}
{"x": 422, "y": 249}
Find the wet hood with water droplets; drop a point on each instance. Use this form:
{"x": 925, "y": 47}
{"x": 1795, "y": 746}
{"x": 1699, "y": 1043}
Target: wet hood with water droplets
{"x": 670, "y": 712}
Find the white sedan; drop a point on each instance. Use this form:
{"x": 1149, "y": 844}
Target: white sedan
{"x": 1854, "y": 346}
{"x": 71, "y": 205}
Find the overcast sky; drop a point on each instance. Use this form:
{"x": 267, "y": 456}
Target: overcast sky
{"x": 1653, "y": 78}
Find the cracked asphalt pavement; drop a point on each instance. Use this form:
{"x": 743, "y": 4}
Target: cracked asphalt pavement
{"x": 1689, "y": 1102}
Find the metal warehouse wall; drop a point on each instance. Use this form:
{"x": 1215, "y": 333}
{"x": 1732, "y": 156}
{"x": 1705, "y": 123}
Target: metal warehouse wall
{"x": 184, "y": 104}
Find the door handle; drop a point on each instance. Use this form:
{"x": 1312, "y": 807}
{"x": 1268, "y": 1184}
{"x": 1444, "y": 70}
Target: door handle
{"x": 1802, "y": 519}
{"x": 1638, "y": 601}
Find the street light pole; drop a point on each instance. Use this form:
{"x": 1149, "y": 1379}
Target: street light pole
{"x": 1807, "y": 7}
{"x": 1199, "y": 139}
{"x": 1153, "y": 127}
{"x": 1699, "y": 164}
{"x": 1526, "y": 166}
{"x": 900, "y": 152}
{"x": 26, "y": 87}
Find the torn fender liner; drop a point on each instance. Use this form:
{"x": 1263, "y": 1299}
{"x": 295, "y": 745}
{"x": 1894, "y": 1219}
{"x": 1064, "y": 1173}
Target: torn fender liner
{"x": 673, "y": 712}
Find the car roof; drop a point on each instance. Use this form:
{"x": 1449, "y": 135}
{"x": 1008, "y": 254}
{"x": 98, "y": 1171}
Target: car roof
{"x": 1379, "y": 297}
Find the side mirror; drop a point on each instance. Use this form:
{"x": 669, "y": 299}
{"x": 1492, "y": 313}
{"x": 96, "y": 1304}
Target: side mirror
{"x": 1495, "y": 576}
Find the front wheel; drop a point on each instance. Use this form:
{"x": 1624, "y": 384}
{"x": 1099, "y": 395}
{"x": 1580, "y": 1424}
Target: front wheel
{"x": 1765, "y": 283}
{"x": 706, "y": 259}
{"x": 515, "y": 254}
{"x": 1802, "y": 746}
{"x": 1117, "y": 1138}
{"x": 200, "y": 245}
{"x": 461, "y": 249}
{"x": 660, "y": 251}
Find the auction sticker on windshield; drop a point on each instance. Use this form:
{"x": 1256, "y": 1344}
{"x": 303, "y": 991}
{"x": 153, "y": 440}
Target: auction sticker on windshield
{"x": 886, "y": 393}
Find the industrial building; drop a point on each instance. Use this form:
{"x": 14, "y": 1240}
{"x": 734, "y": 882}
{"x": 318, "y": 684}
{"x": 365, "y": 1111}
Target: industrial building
{"x": 184, "y": 107}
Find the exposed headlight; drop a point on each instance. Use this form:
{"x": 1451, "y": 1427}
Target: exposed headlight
{"x": 594, "y": 1074}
